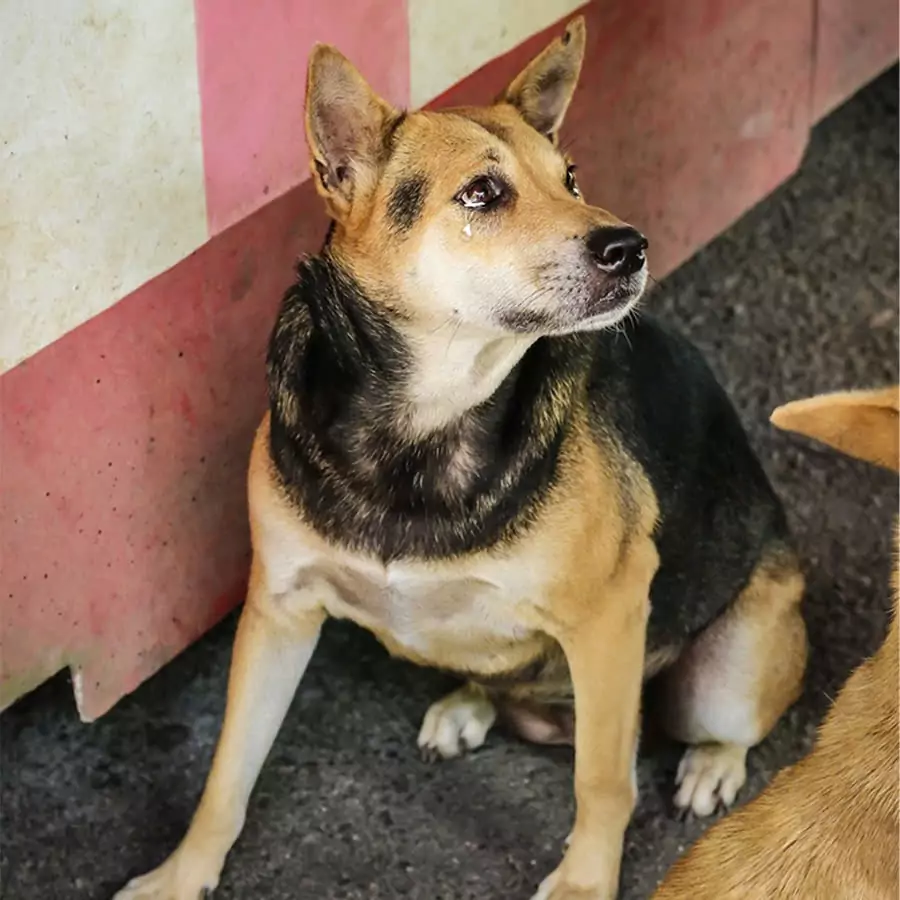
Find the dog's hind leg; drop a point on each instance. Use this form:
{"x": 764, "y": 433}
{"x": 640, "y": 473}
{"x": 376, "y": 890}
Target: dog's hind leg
{"x": 275, "y": 640}
{"x": 729, "y": 687}
{"x": 457, "y": 723}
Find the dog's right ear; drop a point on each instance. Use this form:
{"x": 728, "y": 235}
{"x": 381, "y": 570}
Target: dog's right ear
{"x": 864, "y": 424}
{"x": 346, "y": 122}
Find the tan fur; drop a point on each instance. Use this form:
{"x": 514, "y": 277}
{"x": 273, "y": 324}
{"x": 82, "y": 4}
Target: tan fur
{"x": 827, "y": 827}
{"x": 864, "y": 424}
{"x": 571, "y": 592}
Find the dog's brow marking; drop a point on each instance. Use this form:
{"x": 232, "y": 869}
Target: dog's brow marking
{"x": 498, "y": 131}
{"x": 501, "y": 132}
{"x": 407, "y": 199}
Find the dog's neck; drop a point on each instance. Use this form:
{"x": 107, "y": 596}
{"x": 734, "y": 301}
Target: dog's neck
{"x": 404, "y": 443}
{"x": 453, "y": 370}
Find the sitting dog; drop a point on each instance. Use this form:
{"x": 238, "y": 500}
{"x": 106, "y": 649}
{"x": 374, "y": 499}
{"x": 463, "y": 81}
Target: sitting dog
{"x": 827, "y": 827}
{"x": 472, "y": 451}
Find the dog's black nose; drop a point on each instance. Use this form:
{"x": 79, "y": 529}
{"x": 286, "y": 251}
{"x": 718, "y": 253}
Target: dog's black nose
{"x": 617, "y": 251}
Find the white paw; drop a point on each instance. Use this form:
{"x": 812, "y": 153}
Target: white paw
{"x": 710, "y": 775}
{"x": 181, "y": 877}
{"x": 457, "y": 723}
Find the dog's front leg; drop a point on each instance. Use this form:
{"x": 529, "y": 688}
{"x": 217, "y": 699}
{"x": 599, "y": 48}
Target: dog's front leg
{"x": 605, "y": 651}
{"x": 275, "y": 639}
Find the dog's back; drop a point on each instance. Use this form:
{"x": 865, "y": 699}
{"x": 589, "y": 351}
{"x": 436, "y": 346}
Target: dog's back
{"x": 827, "y": 827}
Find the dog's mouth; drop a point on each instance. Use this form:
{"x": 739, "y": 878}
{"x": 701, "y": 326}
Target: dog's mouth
{"x": 579, "y": 304}
{"x": 624, "y": 290}
{"x": 589, "y": 284}
{"x": 609, "y": 306}
{"x": 617, "y": 298}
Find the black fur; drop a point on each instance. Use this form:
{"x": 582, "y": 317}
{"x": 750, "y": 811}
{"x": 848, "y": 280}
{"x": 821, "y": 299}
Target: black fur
{"x": 337, "y": 366}
{"x": 406, "y": 201}
{"x": 718, "y": 513}
{"x": 527, "y": 321}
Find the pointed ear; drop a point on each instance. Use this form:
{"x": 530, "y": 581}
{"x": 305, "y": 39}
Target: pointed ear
{"x": 346, "y": 123}
{"x": 864, "y": 424}
{"x": 541, "y": 93}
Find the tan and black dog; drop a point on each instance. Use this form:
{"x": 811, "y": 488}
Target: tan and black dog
{"x": 465, "y": 456}
{"x": 827, "y": 828}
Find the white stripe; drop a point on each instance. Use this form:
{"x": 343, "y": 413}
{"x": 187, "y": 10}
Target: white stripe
{"x": 101, "y": 169}
{"x": 449, "y": 41}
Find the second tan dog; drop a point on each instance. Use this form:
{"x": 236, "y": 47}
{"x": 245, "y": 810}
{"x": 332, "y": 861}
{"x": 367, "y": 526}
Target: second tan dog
{"x": 827, "y": 827}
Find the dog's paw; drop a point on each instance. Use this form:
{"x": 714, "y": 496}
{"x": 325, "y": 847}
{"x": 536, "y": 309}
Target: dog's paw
{"x": 180, "y": 877}
{"x": 457, "y": 723}
{"x": 709, "y": 776}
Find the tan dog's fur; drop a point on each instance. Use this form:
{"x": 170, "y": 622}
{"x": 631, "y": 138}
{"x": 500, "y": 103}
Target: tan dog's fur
{"x": 828, "y": 827}
{"x": 571, "y": 590}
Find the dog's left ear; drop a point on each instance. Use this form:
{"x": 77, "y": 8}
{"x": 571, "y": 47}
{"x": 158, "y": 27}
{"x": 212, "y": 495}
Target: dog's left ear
{"x": 864, "y": 424}
{"x": 542, "y": 92}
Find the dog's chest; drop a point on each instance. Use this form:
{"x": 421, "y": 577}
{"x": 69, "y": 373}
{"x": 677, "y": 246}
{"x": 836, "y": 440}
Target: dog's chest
{"x": 476, "y": 617}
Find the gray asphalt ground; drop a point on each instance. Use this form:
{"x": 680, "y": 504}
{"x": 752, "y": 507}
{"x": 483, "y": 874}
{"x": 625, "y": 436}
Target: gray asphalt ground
{"x": 798, "y": 297}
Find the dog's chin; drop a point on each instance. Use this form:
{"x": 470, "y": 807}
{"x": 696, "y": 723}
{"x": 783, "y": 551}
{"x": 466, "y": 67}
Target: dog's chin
{"x": 608, "y": 306}
{"x": 593, "y": 308}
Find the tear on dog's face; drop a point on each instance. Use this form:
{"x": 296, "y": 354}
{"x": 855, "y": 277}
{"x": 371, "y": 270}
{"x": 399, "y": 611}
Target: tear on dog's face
{"x": 470, "y": 217}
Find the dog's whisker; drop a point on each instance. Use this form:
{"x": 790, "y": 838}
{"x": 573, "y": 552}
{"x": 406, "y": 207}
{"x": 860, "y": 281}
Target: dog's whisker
{"x": 452, "y": 338}
{"x": 443, "y": 325}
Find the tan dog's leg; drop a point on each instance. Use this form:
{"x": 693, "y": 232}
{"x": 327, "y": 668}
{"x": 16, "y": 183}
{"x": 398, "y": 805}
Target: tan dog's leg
{"x": 271, "y": 651}
{"x": 731, "y": 685}
{"x": 827, "y": 827}
{"x": 606, "y": 659}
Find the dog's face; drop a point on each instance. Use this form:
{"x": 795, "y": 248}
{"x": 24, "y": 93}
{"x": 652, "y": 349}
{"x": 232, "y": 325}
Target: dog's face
{"x": 472, "y": 215}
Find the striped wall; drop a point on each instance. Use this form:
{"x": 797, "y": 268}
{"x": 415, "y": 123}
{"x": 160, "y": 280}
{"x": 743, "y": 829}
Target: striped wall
{"x": 133, "y": 132}
{"x": 101, "y": 185}
{"x": 153, "y": 199}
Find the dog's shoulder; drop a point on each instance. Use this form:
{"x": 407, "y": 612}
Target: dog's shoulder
{"x": 275, "y": 519}
{"x": 655, "y": 386}
{"x": 651, "y": 387}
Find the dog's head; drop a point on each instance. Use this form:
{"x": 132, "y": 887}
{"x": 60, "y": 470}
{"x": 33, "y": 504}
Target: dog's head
{"x": 864, "y": 424}
{"x": 470, "y": 214}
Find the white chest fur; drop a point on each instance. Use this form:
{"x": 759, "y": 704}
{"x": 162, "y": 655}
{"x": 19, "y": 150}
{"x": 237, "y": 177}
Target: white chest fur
{"x": 476, "y": 614}
{"x": 431, "y": 613}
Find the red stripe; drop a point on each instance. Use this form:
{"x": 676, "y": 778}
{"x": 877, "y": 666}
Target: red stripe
{"x": 252, "y": 59}
{"x": 124, "y": 449}
{"x": 856, "y": 39}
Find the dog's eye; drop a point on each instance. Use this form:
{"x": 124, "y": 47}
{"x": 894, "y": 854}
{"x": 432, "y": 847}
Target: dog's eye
{"x": 571, "y": 183}
{"x": 481, "y": 193}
